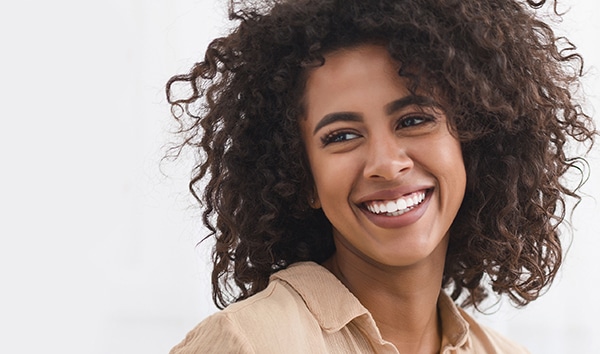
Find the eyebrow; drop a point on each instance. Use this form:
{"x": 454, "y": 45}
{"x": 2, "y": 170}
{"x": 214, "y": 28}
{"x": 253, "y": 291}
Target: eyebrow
{"x": 390, "y": 108}
{"x": 338, "y": 117}
{"x": 411, "y": 100}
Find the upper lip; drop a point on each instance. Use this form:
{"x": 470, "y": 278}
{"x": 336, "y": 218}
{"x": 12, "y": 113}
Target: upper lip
{"x": 392, "y": 194}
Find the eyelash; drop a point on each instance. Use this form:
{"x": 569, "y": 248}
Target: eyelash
{"x": 332, "y": 137}
{"x": 423, "y": 117}
{"x": 403, "y": 123}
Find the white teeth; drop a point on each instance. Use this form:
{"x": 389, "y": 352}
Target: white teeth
{"x": 401, "y": 203}
{"x": 391, "y": 206}
{"x": 413, "y": 201}
{"x": 396, "y": 207}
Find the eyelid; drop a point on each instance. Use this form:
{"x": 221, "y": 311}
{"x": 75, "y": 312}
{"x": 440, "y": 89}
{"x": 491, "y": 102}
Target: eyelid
{"x": 328, "y": 137}
{"x": 432, "y": 111}
{"x": 426, "y": 117}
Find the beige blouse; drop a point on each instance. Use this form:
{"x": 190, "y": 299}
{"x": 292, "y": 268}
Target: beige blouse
{"x": 306, "y": 309}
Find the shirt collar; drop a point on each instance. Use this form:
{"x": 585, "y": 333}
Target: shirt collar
{"x": 330, "y": 302}
{"x": 455, "y": 329}
{"x": 334, "y": 306}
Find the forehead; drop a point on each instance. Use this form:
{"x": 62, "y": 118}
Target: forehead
{"x": 350, "y": 75}
{"x": 359, "y": 60}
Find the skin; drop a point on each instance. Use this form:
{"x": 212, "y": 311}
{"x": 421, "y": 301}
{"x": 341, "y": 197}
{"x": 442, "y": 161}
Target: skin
{"x": 369, "y": 141}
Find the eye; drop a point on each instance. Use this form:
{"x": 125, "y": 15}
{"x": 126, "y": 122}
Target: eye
{"x": 338, "y": 137}
{"x": 414, "y": 120}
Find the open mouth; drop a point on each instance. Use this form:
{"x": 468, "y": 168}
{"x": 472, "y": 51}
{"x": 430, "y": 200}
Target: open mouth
{"x": 398, "y": 206}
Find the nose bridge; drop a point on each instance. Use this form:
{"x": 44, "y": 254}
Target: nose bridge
{"x": 387, "y": 157}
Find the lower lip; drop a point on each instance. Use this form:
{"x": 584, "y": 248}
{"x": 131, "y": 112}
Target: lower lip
{"x": 392, "y": 222}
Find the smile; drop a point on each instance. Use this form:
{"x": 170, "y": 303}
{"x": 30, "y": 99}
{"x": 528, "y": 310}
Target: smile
{"x": 396, "y": 207}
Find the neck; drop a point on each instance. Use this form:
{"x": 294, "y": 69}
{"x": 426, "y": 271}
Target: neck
{"x": 402, "y": 300}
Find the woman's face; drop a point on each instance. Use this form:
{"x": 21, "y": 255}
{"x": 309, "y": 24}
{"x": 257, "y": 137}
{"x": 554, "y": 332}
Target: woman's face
{"x": 388, "y": 174}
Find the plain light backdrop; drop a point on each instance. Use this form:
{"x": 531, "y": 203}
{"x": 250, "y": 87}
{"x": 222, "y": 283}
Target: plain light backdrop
{"x": 98, "y": 237}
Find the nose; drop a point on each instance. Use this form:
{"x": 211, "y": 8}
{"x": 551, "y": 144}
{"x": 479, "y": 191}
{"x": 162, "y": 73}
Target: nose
{"x": 387, "y": 159}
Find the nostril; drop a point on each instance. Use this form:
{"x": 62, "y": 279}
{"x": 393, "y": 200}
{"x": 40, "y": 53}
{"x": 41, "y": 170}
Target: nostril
{"x": 387, "y": 168}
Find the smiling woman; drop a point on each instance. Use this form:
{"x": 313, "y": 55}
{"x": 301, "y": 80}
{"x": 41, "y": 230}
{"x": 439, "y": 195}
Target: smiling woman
{"x": 396, "y": 151}
{"x": 370, "y": 164}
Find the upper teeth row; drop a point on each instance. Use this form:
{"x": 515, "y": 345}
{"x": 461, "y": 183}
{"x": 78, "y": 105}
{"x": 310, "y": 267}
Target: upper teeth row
{"x": 392, "y": 206}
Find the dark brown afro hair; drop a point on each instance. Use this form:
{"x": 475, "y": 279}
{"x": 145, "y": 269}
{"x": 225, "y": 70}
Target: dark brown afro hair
{"x": 508, "y": 82}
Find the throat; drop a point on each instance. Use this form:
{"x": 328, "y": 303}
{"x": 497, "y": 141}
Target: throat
{"x": 406, "y": 313}
{"x": 424, "y": 340}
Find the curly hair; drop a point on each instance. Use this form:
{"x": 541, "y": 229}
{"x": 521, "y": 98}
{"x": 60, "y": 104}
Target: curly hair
{"x": 509, "y": 82}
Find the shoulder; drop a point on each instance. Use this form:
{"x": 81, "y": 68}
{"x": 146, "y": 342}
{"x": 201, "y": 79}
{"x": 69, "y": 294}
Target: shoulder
{"x": 258, "y": 324}
{"x": 216, "y": 334}
{"x": 463, "y": 334}
{"x": 485, "y": 338}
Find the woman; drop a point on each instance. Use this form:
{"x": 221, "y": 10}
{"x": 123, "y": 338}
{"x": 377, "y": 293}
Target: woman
{"x": 365, "y": 158}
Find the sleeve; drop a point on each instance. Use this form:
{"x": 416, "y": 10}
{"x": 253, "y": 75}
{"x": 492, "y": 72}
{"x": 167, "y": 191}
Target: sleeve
{"x": 216, "y": 334}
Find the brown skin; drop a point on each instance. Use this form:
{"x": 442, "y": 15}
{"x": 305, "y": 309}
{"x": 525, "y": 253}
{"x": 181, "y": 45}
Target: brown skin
{"x": 507, "y": 79}
{"x": 392, "y": 263}
{"x": 409, "y": 295}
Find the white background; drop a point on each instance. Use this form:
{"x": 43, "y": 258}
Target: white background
{"x": 97, "y": 237}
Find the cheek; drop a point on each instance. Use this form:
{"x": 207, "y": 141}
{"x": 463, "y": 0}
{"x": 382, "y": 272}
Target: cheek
{"x": 334, "y": 176}
{"x": 318, "y": 172}
{"x": 443, "y": 158}
{"x": 455, "y": 163}
{"x": 452, "y": 173}
{"x": 329, "y": 173}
